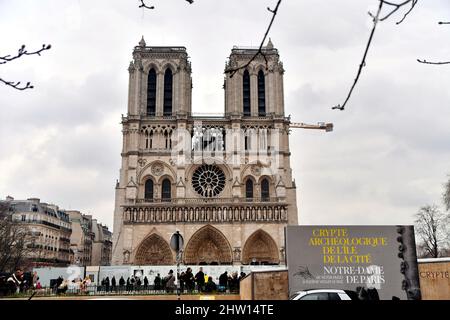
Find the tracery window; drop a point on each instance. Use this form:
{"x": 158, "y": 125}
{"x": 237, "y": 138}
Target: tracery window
{"x": 168, "y": 88}
{"x": 261, "y": 94}
{"x": 246, "y": 93}
{"x": 151, "y": 93}
{"x": 148, "y": 195}
{"x": 166, "y": 192}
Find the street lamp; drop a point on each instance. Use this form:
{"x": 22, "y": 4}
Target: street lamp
{"x": 176, "y": 243}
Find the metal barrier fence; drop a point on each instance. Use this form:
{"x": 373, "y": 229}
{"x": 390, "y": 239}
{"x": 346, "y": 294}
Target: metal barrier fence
{"x": 95, "y": 290}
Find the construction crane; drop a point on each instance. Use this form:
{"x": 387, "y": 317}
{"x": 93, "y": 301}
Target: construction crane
{"x": 328, "y": 127}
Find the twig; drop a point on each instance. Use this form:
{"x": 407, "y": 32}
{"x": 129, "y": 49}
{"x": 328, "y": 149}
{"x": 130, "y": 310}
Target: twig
{"x": 21, "y": 52}
{"x": 232, "y": 71}
{"x": 397, "y": 6}
{"x": 16, "y": 85}
{"x": 143, "y": 5}
{"x": 434, "y": 63}
{"x": 376, "y": 19}
{"x": 439, "y": 63}
{"x": 363, "y": 62}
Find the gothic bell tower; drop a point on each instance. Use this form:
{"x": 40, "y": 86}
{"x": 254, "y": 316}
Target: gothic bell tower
{"x": 255, "y": 90}
{"x": 160, "y": 81}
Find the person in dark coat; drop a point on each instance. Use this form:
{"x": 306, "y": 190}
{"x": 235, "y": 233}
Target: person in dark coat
{"x": 128, "y": 284}
{"x": 223, "y": 281}
{"x": 121, "y": 283}
{"x": 210, "y": 286}
{"x": 157, "y": 282}
{"x": 182, "y": 277}
{"x": 189, "y": 279}
{"x": 145, "y": 283}
{"x": 107, "y": 283}
{"x": 138, "y": 284}
{"x": 113, "y": 283}
{"x": 200, "y": 279}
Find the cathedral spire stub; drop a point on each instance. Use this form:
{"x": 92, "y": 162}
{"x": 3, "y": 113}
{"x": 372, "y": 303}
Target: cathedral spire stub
{"x": 142, "y": 42}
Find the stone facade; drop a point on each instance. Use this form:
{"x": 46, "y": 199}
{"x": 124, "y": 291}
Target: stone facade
{"x": 224, "y": 182}
{"x": 48, "y": 231}
{"x": 102, "y": 244}
{"x": 82, "y": 237}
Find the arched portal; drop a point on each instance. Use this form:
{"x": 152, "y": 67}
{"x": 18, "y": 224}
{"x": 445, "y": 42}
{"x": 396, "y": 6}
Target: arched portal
{"x": 208, "y": 246}
{"x": 260, "y": 248}
{"x": 154, "y": 250}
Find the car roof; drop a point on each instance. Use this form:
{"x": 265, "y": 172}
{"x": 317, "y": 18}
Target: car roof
{"x": 321, "y": 290}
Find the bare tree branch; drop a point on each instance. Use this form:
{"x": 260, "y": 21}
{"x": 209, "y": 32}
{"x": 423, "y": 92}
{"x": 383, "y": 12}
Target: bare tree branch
{"x": 432, "y": 228}
{"x": 434, "y": 63}
{"x": 397, "y": 6}
{"x": 21, "y": 52}
{"x": 438, "y": 63}
{"x": 143, "y": 5}
{"x": 446, "y": 195}
{"x": 376, "y": 18}
{"x": 16, "y": 85}
{"x": 232, "y": 71}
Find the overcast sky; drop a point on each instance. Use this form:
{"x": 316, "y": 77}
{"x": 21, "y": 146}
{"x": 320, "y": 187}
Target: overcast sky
{"x": 388, "y": 155}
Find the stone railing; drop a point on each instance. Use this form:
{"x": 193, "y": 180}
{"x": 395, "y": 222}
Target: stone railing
{"x": 203, "y": 201}
{"x": 241, "y": 212}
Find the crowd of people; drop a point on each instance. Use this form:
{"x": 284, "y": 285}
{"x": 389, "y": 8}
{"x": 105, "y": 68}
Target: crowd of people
{"x": 188, "y": 283}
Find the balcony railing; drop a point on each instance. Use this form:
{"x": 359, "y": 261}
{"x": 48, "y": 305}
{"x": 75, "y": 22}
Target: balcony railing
{"x": 218, "y": 212}
{"x": 184, "y": 201}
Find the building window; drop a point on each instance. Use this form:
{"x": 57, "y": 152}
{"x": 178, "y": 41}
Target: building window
{"x": 23, "y": 218}
{"x": 249, "y": 189}
{"x": 148, "y": 190}
{"x": 168, "y": 85}
{"x": 149, "y": 140}
{"x": 166, "y": 193}
{"x": 265, "y": 191}
{"x": 246, "y": 92}
{"x": 261, "y": 94}
{"x": 151, "y": 93}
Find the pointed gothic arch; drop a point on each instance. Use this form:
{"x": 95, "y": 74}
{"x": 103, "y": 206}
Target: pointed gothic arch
{"x": 208, "y": 246}
{"x": 260, "y": 248}
{"x": 246, "y": 93}
{"x": 151, "y": 92}
{"x": 154, "y": 250}
{"x": 261, "y": 94}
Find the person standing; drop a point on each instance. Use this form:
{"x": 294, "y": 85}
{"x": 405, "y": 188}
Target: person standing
{"x": 121, "y": 283}
{"x": 223, "y": 281}
{"x": 189, "y": 279}
{"x": 145, "y": 283}
{"x": 107, "y": 284}
{"x": 113, "y": 283}
{"x": 14, "y": 281}
{"x": 157, "y": 282}
{"x": 170, "y": 282}
{"x": 200, "y": 279}
{"x": 182, "y": 277}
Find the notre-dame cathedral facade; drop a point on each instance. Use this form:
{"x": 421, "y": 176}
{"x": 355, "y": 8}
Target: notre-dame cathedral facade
{"x": 224, "y": 182}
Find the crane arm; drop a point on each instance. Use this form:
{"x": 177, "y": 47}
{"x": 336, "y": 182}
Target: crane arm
{"x": 328, "y": 127}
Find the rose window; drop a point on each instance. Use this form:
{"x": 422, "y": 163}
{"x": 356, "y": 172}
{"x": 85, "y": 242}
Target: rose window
{"x": 208, "y": 180}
